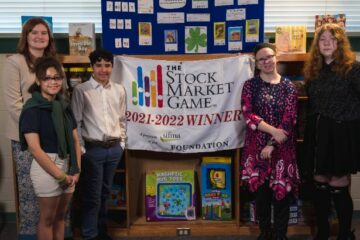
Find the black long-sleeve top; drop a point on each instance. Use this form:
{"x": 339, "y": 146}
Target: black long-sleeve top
{"x": 336, "y": 96}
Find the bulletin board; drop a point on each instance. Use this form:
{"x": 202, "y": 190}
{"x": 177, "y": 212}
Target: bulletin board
{"x": 182, "y": 26}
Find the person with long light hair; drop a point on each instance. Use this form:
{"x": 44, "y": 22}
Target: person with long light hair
{"x": 18, "y": 75}
{"x": 332, "y": 133}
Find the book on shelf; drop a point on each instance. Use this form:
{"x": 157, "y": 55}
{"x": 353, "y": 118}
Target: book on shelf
{"x": 47, "y": 19}
{"x": 339, "y": 19}
{"x": 81, "y": 38}
{"x": 290, "y": 39}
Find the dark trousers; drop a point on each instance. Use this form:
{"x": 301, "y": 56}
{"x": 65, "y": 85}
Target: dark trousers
{"x": 264, "y": 198}
{"x": 98, "y": 169}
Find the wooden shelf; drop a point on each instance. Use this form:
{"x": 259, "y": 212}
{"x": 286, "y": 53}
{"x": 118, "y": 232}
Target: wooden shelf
{"x": 142, "y": 228}
{"x": 120, "y": 170}
{"x": 122, "y": 208}
{"x": 67, "y": 59}
{"x": 299, "y": 57}
{"x": 303, "y": 98}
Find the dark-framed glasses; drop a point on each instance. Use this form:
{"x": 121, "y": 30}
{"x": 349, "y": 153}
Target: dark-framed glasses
{"x": 55, "y": 78}
{"x": 265, "y": 59}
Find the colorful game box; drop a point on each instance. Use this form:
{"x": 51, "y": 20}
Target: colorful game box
{"x": 117, "y": 196}
{"x": 216, "y": 188}
{"x": 170, "y": 195}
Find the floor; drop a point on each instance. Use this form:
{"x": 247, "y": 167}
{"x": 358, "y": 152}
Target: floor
{"x": 8, "y": 232}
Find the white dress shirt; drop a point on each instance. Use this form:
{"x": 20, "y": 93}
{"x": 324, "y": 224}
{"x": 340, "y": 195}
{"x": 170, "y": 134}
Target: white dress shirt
{"x": 100, "y": 111}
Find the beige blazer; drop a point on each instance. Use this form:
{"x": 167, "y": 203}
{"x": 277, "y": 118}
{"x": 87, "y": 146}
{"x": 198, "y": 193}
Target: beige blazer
{"x": 17, "y": 79}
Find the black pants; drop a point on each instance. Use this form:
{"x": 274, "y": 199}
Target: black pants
{"x": 264, "y": 198}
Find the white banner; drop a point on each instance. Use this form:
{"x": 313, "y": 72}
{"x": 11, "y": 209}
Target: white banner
{"x": 186, "y": 107}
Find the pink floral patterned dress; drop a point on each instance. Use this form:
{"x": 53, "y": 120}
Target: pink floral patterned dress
{"x": 276, "y": 104}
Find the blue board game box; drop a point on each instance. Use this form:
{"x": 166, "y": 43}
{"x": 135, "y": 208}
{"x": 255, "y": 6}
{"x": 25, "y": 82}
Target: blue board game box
{"x": 216, "y": 188}
{"x": 170, "y": 195}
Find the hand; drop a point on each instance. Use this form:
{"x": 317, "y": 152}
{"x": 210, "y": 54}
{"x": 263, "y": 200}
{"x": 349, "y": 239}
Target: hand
{"x": 76, "y": 177}
{"x": 68, "y": 182}
{"x": 280, "y": 135}
{"x": 266, "y": 152}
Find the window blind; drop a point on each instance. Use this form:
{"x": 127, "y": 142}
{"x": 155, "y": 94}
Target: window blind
{"x": 61, "y": 11}
{"x": 281, "y": 12}
{"x": 277, "y": 12}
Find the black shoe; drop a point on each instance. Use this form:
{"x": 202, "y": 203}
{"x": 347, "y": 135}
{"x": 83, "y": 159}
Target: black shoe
{"x": 104, "y": 236}
{"x": 264, "y": 236}
{"x": 350, "y": 236}
{"x": 278, "y": 237}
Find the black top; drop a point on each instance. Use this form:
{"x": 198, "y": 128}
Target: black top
{"x": 38, "y": 120}
{"x": 335, "y": 96}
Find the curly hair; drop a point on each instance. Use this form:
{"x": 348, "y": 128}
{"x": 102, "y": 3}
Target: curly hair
{"x": 41, "y": 65}
{"x": 343, "y": 55}
{"x": 23, "y": 45}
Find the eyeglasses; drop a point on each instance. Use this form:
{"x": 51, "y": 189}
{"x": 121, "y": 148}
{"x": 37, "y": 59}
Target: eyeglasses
{"x": 55, "y": 78}
{"x": 265, "y": 59}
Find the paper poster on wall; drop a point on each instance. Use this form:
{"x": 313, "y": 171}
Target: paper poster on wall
{"x": 145, "y": 6}
{"x": 235, "y": 14}
{"x": 145, "y": 34}
{"x": 112, "y": 24}
{"x": 126, "y": 43}
{"x": 128, "y": 24}
{"x": 196, "y": 39}
{"x": 252, "y": 30}
{"x": 172, "y": 4}
{"x": 117, "y": 6}
{"x": 109, "y": 6}
{"x": 171, "y": 40}
{"x": 235, "y": 38}
{"x": 197, "y": 17}
{"x": 247, "y": 2}
{"x": 132, "y": 7}
{"x": 124, "y": 6}
{"x": 170, "y": 17}
{"x": 218, "y": 3}
{"x": 219, "y": 33}
{"x": 200, "y": 4}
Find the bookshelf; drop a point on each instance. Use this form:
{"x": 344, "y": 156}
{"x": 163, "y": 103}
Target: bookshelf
{"x": 137, "y": 163}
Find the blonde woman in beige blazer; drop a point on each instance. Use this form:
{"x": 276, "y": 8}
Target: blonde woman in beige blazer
{"x": 35, "y": 41}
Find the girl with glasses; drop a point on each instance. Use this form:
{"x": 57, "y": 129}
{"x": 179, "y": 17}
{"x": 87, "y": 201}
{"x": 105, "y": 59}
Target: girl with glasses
{"x": 268, "y": 163}
{"x": 48, "y": 132}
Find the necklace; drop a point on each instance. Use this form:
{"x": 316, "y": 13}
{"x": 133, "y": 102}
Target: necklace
{"x": 268, "y": 93}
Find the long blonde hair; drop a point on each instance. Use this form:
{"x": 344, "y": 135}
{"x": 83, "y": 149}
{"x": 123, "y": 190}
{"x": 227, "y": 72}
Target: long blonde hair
{"x": 343, "y": 55}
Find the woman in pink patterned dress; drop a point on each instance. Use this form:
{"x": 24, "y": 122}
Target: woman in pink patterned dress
{"x": 268, "y": 164}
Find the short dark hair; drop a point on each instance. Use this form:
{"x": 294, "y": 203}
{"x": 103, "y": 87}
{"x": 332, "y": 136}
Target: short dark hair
{"x": 260, "y": 46}
{"x": 41, "y": 66}
{"x": 101, "y": 54}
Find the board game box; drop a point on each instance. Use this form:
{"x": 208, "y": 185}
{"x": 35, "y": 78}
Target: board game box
{"x": 170, "y": 195}
{"x": 216, "y": 188}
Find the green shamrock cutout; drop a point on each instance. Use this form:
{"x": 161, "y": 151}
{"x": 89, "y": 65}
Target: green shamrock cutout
{"x": 195, "y": 40}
